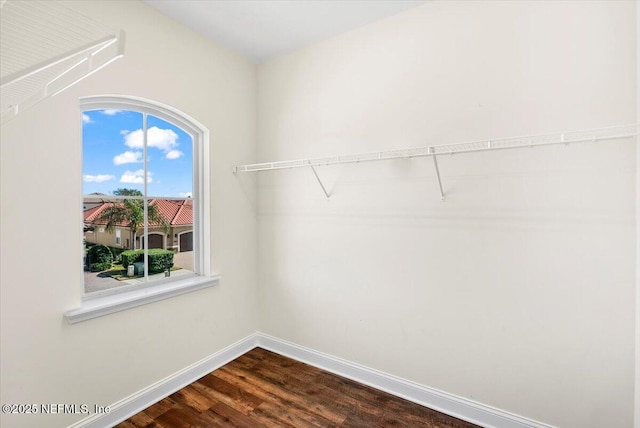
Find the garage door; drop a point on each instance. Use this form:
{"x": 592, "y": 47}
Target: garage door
{"x": 155, "y": 241}
{"x": 186, "y": 242}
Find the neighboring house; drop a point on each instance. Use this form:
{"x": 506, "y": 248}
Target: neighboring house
{"x": 177, "y": 214}
{"x": 94, "y": 200}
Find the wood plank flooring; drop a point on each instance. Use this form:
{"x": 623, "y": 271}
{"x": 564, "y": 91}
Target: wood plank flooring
{"x": 263, "y": 389}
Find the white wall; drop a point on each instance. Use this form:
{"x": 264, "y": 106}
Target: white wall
{"x": 637, "y": 377}
{"x": 518, "y": 291}
{"x": 46, "y": 360}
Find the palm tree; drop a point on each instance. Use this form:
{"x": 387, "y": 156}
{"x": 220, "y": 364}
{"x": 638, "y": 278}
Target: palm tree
{"x": 130, "y": 212}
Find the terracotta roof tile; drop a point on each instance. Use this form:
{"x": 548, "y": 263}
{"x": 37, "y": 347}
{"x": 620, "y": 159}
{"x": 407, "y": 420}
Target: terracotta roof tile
{"x": 175, "y": 212}
{"x": 92, "y": 214}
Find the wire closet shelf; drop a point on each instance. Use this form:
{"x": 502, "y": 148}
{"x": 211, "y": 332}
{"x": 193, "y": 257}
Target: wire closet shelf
{"x": 560, "y": 138}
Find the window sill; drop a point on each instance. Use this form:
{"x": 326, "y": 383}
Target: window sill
{"x": 94, "y": 308}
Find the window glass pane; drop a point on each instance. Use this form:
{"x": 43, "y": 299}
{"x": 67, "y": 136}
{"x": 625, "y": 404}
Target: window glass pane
{"x": 104, "y": 221}
{"x": 112, "y": 151}
{"x": 170, "y": 238}
{"x": 170, "y": 159}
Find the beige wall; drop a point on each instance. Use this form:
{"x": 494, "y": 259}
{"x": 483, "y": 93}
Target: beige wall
{"x": 108, "y": 238}
{"x": 518, "y": 291}
{"x": 101, "y": 361}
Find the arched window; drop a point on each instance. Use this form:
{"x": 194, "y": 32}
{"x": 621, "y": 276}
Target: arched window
{"x": 145, "y": 174}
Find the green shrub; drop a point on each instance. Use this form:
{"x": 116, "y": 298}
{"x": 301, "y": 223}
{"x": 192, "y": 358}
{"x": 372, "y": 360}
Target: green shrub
{"x": 99, "y": 254}
{"x": 99, "y": 267}
{"x": 116, "y": 253}
{"x": 158, "y": 259}
{"x": 129, "y": 257}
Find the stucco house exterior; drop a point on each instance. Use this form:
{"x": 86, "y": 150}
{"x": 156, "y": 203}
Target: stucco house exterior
{"x": 178, "y": 215}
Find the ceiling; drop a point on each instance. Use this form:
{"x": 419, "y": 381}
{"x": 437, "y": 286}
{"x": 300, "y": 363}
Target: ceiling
{"x": 263, "y": 29}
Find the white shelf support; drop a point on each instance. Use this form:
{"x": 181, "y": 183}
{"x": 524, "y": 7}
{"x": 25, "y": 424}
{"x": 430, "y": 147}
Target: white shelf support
{"x": 320, "y": 181}
{"x": 435, "y": 164}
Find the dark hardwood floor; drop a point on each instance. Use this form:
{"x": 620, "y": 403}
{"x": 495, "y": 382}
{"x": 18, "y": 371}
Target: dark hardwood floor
{"x": 263, "y": 389}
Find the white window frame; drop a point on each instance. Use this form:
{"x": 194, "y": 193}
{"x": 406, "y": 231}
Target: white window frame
{"x": 101, "y": 303}
{"x": 118, "y": 237}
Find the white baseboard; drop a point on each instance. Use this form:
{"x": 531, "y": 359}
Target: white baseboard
{"x": 144, "y": 398}
{"x": 449, "y": 404}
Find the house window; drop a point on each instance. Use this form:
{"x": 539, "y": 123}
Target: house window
{"x": 144, "y": 174}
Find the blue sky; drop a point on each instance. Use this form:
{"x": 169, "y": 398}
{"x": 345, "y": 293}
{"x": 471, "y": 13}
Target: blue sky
{"x": 112, "y": 147}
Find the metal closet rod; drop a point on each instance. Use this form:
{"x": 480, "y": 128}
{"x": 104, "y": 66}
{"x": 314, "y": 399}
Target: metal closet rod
{"x": 572, "y": 137}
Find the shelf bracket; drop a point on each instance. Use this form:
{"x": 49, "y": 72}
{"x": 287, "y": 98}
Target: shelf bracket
{"x": 320, "y": 181}
{"x": 435, "y": 164}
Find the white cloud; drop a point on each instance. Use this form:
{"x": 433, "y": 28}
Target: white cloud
{"x": 97, "y": 178}
{"x": 86, "y": 118}
{"x": 135, "y": 177}
{"x": 186, "y": 194}
{"x": 127, "y": 157}
{"x": 110, "y": 111}
{"x": 174, "y": 154}
{"x": 124, "y": 132}
{"x": 163, "y": 139}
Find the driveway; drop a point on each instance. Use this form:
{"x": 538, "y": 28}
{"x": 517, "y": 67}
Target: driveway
{"x": 93, "y": 281}
{"x": 184, "y": 260}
